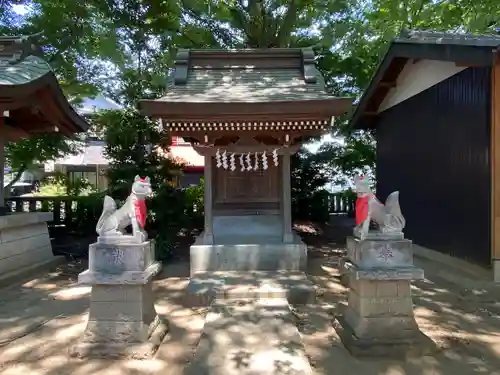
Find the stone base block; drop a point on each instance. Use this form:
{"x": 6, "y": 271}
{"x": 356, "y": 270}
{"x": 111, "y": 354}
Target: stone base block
{"x": 383, "y": 253}
{"x": 386, "y": 274}
{"x": 205, "y": 287}
{"x": 122, "y": 319}
{"x": 397, "y": 326}
{"x": 237, "y": 254}
{"x": 118, "y": 350}
{"x": 345, "y": 266}
{"x": 416, "y": 345}
{"x": 117, "y": 258}
{"x": 122, "y": 323}
{"x": 88, "y": 277}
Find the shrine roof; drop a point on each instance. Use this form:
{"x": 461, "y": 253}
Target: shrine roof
{"x": 93, "y": 153}
{"x": 30, "y": 92}
{"x": 236, "y": 77}
{"x": 412, "y": 46}
{"x": 247, "y": 83}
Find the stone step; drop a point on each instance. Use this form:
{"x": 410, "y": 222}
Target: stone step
{"x": 250, "y": 338}
{"x": 205, "y": 287}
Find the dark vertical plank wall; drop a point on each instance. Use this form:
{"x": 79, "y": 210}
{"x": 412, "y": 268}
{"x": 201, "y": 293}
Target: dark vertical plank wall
{"x": 434, "y": 149}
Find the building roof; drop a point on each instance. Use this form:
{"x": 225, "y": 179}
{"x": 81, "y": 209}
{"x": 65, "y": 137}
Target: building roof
{"x": 244, "y": 81}
{"x": 89, "y": 106}
{"x": 30, "y": 92}
{"x": 91, "y": 154}
{"x": 232, "y": 86}
{"x": 188, "y": 157}
{"x": 464, "y": 49}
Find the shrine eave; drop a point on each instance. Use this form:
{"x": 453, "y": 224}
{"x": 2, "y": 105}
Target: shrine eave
{"x": 40, "y": 106}
{"x": 246, "y": 111}
{"x": 31, "y": 99}
{"x": 309, "y": 128}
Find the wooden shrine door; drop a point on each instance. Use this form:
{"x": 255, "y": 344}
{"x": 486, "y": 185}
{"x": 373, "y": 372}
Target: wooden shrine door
{"x": 247, "y": 192}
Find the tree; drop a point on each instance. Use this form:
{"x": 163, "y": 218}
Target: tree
{"x": 307, "y": 181}
{"x": 23, "y": 154}
{"x": 132, "y": 144}
{"x": 37, "y": 149}
{"x": 126, "y": 49}
{"x": 362, "y": 41}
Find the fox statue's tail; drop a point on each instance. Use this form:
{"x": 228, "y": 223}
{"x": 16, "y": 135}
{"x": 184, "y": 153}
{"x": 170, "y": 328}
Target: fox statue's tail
{"x": 108, "y": 208}
{"x": 394, "y": 216}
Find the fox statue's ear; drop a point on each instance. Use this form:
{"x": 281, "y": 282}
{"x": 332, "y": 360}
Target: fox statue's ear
{"x": 137, "y": 178}
{"x": 147, "y": 180}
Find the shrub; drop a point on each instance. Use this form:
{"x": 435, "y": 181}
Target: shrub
{"x": 136, "y": 147}
{"x": 87, "y": 213}
{"x": 194, "y": 205}
{"x": 59, "y": 185}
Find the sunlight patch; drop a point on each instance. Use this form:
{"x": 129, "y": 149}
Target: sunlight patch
{"x": 72, "y": 293}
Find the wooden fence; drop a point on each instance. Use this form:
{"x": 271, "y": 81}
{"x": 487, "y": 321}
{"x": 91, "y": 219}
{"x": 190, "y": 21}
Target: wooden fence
{"x": 66, "y": 209}
{"x": 341, "y": 204}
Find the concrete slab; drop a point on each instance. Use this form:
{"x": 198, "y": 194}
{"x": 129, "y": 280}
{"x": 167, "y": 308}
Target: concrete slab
{"x": 205, "y": 287}
{"x": 253, "y": 338}
{"x": 248, "y": 253}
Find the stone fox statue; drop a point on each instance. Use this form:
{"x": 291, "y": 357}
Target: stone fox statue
{"x": 388, "y": 217}
{"x": 113, "y": 221}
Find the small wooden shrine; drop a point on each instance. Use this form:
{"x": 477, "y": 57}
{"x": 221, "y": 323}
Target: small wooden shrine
{"x": 31, "y": 101}
{"x": 246, "y": 112}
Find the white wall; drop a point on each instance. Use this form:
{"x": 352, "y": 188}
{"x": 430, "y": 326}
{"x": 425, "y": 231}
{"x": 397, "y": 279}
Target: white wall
{"x": 417, "y": 77}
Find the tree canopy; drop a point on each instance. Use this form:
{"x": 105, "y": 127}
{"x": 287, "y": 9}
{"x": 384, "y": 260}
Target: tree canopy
{"x": 125, "y": 48}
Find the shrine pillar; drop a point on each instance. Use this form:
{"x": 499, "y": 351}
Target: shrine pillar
{"x": 208, "y": 236}
{"x": 286, "y": 206}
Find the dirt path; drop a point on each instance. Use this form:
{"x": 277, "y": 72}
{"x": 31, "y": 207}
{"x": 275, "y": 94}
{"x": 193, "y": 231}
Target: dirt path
{"x": 47, "y": 314}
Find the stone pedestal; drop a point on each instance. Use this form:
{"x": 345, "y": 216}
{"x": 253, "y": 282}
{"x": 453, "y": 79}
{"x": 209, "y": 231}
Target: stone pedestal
{"x": 379, "y": 319}
{"x": 122, "y": 320}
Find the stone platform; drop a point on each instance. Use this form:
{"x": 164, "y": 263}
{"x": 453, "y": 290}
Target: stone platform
{"x": 250, "y": 338}
{"x": 25, "y": 245}
{"x": 205, "y": 287}
{"x": 247, "y": 243}
{"x": 248, "y": 253}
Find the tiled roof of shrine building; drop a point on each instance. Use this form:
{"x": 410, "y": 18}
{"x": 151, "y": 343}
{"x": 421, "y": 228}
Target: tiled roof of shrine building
{"x": 245, "y": 76}
{"x": 244, "y": 81}
{"x": 30, "y": 92}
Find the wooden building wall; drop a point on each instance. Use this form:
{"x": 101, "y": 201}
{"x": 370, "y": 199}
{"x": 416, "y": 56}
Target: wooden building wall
{"x": 434, "y": 148}
{"x": 247, "y": 192}
{"x": 495, "y": 159}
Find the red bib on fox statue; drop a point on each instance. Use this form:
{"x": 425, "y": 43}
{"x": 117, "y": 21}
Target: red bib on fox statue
{"x": 141, "y": 211}
{"x": 362, "y": 204}
{"x": 363, "y": 199}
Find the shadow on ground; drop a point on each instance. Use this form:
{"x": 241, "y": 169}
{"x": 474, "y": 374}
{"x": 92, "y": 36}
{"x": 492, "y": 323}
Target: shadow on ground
{"x": 463, "y": 322}
{"x": 40, "y": 319}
